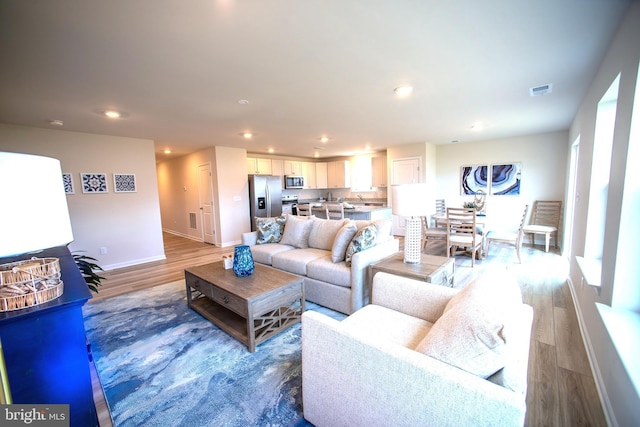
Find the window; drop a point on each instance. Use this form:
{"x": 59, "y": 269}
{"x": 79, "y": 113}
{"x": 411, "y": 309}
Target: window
{"x": 600, "y": 171}
{"x": 362, "y": 174}
{"x": 626, "y": 288}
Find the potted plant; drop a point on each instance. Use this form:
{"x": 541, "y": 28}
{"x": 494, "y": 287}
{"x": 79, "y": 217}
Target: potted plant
{"x": 88, "y": 269}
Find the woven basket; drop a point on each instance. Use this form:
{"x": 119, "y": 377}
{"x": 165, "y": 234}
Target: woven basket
{"x": 30, "y": 282}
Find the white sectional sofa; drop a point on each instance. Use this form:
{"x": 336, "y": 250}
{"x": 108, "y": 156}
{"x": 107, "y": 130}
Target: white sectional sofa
{"x": 331, "y": 255}
{"x": 420, "y": 355}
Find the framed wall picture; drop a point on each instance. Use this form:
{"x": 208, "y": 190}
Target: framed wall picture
{"x": 67, "y": 181}
{"x": 94, "y": 182}
{"x": 474, "y": 179}
{"x": 505, "y": 179}
{"x": 124, "y": 182}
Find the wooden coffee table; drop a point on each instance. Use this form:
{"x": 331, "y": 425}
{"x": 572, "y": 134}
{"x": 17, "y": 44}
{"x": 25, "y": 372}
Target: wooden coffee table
{"x": 251, "y": 309}
{"x": 432, "y": 269}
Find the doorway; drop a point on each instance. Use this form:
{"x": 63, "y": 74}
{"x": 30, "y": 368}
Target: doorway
{"x": 205, "y": 193}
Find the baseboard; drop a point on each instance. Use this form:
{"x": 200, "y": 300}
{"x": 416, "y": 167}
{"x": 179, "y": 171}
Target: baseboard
{"x": 133, "y": 262}
{"x": 177, "y": 233}
{"x": 595, "y": 370}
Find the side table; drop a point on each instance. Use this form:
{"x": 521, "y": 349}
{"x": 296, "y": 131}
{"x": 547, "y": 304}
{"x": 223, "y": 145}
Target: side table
{"x": 432, "y": 269}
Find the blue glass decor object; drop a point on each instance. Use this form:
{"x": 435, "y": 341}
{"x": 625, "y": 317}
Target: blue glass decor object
{"x": 242, "y": 261}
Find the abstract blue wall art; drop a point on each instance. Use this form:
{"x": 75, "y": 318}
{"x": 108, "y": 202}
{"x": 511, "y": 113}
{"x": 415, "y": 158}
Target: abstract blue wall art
{"x": 124, "y": 182}
{"x": 505, "y": 179}
{"x": 94, "y": 183}
{"x": 474, "y": 179}
{"x": 67, "y": 180}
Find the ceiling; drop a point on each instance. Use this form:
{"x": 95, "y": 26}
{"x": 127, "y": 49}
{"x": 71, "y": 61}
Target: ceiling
{"x": 308, "y": 68}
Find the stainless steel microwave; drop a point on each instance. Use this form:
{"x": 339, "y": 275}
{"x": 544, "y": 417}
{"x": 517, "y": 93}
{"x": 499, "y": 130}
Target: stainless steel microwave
{"x": 291, "y": 181}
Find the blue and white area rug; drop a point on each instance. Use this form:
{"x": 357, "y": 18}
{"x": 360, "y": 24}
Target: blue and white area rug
{"x": 162, "y": 364}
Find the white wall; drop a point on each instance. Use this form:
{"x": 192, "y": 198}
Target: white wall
{"x": 544, "y": 163}
{"x": 127, "y": 224}
{"x": 622, "y": 400}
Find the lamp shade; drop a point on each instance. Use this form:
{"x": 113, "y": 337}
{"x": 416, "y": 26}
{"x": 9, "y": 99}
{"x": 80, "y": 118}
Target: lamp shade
{"x": 33, "y": 209}
{"x": 410, "y": 199}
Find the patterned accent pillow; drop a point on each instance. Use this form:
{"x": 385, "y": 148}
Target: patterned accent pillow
{"x": 365, "y": 238}
{"x": 270, "y": 229}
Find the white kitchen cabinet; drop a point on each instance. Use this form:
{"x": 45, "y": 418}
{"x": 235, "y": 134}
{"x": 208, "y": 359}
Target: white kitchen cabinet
{"x": 309, "y": 174}
{"x": 292, "y": 167}
{"x": 258, "y": 166}
{"x": 339, "y": 174}
{"x": 321, "y": 175}
{"x": 379, "y": 171}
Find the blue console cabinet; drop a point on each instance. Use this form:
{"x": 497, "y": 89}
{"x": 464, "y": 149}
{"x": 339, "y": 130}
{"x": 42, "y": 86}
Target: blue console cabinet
{"x": 45, "y": 346}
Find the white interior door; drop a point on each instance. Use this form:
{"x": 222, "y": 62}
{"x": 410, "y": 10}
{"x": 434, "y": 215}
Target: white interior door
{"x": 404, "y": 171}
{"x": 205, "y": 192}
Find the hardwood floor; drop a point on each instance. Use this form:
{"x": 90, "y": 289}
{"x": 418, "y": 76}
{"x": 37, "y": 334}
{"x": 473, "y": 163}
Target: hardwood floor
{"x": 561, "y": 389}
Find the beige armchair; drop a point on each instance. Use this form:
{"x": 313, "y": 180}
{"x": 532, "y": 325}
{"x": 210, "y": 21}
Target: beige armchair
{"x": 379, "y": 366}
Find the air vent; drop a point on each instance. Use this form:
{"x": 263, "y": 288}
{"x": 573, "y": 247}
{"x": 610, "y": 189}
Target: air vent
{"x": 192, "y": 221}
{"x": 540, "y": 90}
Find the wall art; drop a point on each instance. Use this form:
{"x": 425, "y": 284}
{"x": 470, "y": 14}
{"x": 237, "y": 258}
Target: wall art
{"x": 505, "y": 179}
{"x": 94, "y": 183}
{"x": 67, "y": 181}
{"x": 124, "y": 182}
{"x": 474, "y": 179}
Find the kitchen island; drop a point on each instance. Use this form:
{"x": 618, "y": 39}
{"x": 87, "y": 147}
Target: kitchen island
{"x": 358, "y": 212}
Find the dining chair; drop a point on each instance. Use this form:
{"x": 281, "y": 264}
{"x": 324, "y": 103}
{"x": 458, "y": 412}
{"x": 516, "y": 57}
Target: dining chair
{"x": 304, "y": 210}
{"x": 513, "y": 238}
{"x": 461, "y": 232}
{"x": 334, "y": 210}
{"x": 431, "y": 233}
{"x": 441, "y": 211}
{"x": 545, "y": 219}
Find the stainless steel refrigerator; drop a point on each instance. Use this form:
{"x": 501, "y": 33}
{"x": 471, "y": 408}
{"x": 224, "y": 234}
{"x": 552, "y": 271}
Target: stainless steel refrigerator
{"x": 265, "y": 197}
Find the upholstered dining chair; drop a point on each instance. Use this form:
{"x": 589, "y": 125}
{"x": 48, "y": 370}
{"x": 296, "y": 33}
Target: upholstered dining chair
{"x": 431, "y": 233}
{"x": 545, "y": 219}
{"x": 304, "y": 210}
{"x": 461, "y": 232}
{"x": 513, "y": 238}
{"x": 334, "y": 210}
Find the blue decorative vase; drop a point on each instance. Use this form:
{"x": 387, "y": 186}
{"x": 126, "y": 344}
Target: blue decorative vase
{"x": 242, "y": 261}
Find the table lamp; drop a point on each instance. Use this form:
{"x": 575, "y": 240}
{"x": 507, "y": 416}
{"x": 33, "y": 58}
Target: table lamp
{"x": 34, "y": 213}
{"x": 411, "y": 201}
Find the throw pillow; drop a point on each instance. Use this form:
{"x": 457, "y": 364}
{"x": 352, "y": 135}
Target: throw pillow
{"x": 269, "y": 229}
{"x": 365, "y": 238}
{"x": 296, "y": 231}
{"x": 323, "y": 232}
{"x": 342, "y": 240}
{"x": 383, "y": 227}
{"x": 472, "y": 331}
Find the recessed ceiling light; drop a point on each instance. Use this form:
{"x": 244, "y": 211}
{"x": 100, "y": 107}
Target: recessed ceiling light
{"x": 56, "y": 122}
{"x": 247, "y": 135}
{"x": 403, "y": 90}
{"x": 112, "y": 114}
{"x": 316, "y": 155}
{"x": 271, "y": 150}
{"x": 167, "y": 151}
{"x": 477, "y": 127}
{"x": 243, "y": 101}
{"x": 324, "y": 139}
